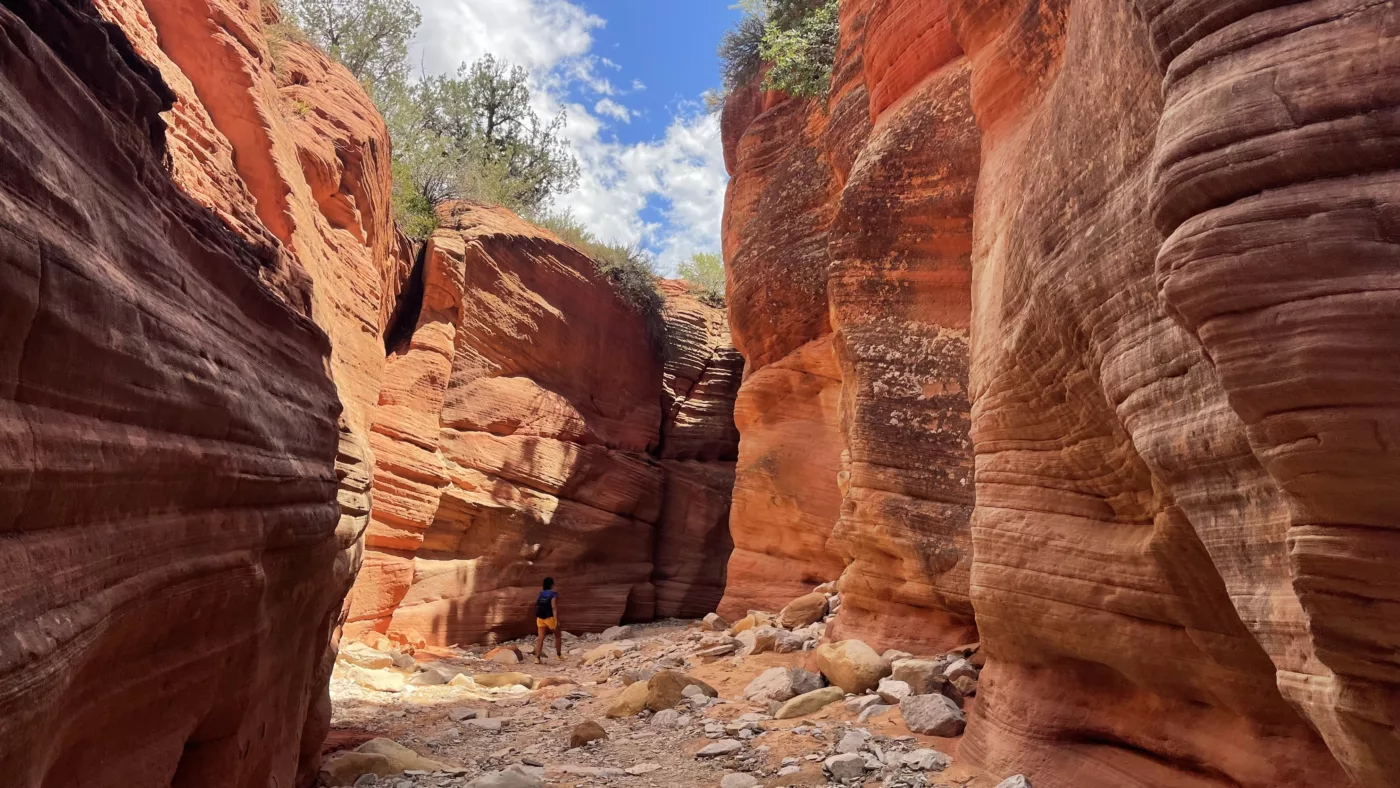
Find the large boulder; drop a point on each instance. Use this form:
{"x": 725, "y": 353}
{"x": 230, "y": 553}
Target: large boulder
{"x": 924, "y": 676}
{"x": 758, "y": 640}
{"x": 802, "y": 611}
{"x": 809, "y": 703}
{"x": 662, "y": 691}
{"x": 358, "y": 654}
{"x": 933, "y": 715}
{"x": 851, "y": 665}
{"x": 781, "y": 684}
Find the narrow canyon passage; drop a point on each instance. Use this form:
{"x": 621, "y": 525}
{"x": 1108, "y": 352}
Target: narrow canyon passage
{"x": 1039, "y": 433}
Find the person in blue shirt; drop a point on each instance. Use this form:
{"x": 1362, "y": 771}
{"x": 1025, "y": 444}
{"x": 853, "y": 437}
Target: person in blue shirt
{"x": 547, "y": 619}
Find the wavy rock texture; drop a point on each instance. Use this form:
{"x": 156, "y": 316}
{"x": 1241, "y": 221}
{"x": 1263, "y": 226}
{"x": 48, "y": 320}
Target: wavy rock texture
{"x": 848, "y": 234}
{"x": 699, "y": 445}
{"x": 1181, "y": 355}
{"x": 518, "y": 437}
{"x": 171, "y": 568}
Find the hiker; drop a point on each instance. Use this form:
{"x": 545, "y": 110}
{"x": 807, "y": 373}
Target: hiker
{"x": 547, "y": 619}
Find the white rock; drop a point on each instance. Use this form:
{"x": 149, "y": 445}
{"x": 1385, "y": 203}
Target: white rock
{"x": 506, "y": 779}
{"x": 781, "y": 684}
{"x": 492, "y": 724}
{"x": 871, "y": 712}
{"x": 1019, "y": 781}
{"x": 786, "y": 770}
{"x": 642, "y": 768}
{"x": 862, "y": 702}
{"x": 853, "y": 741}
{"x": 738, "y": 780}
{"x": 615, "y": 633}
{"x": 893, "y": 690}
{"x": 692, "y": 690}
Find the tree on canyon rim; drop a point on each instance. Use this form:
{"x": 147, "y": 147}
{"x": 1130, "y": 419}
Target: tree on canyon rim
{"x": 796, "y": 38}
{"x": 469, "y": 135}
{"x": 705, "y": 270}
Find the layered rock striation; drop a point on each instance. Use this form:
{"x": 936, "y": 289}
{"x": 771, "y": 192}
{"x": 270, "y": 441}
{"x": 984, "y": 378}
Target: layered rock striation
{"x": 1170, "y": 310}
{"x": 183, "y": 489}
{"x": 848, "y": 235}
{"x": 518, "y": 437}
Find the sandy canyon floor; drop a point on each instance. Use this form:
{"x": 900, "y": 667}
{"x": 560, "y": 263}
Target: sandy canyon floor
{"x": 508, "y": 737}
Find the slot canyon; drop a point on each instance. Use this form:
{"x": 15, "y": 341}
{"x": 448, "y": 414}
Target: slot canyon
{"x": 1044, "y": 437}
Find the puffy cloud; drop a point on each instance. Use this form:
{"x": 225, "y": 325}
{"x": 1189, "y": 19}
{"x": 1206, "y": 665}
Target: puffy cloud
{"x": 667, "y": 194}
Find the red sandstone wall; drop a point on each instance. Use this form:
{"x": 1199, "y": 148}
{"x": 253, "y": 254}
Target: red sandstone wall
{"x": 170, "y": 564}
{"x": 848, "y": 235}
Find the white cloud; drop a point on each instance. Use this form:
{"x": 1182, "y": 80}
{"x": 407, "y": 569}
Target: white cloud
{"x": 613, "y": 110}
{"x": 681, "y": 176}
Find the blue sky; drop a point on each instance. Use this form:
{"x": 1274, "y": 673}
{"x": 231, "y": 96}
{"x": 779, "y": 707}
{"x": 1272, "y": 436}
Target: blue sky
{"x": 629, "y": 74}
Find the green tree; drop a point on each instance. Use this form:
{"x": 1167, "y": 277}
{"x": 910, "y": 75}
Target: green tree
{"x": 796, "y": 38}
{"x": 368, "y": 37}
{"x": 705, "y": 270}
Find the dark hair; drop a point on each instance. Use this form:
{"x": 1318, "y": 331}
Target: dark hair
{"x": 548, "y": 583}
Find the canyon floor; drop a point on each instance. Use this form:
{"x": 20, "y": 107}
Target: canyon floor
{"x": 513, "y": 736}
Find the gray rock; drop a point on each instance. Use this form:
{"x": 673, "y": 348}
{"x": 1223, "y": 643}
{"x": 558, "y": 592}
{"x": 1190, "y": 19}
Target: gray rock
{"x": 959, "y": 669}
{"x": 933, "y": 715}
{"x": 692, "y": 691}
{"x": 871, "y": 712}
{"x": 666, "y": 718}
{"x": 862, "y": 702}
{"x": 721, "y": 747}
{"x": 893, "y": 690}
{"x": 713, "y": 622}
{"x": 847, "y": 766}
{"x": 1019, "y": 781}
{"x": 924, "y": 676}
{"x": 781, "y": 684}
{"x": 490, "y": 724}
{"x": 738, "y": 780}
{"x": 925, "y": 760}
{"x": 366, "y": 779}
{"x": 642, "y": 768}
{"x": 790, "y": 769}
{"x": 615, "y": 633}
{"x": 853, "y": 741}
{"x": 463, "y": 714}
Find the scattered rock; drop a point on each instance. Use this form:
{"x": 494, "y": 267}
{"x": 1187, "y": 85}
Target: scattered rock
{"x": 924, "y": 676}
{"x": 862, "y": 702}
{"x": 643, "y": 768}
{"x": 463, "y": 714}
{"x": 506, "y": 779}
{"x": 719, "y": 748}
{"x": 616, "y": 633}
{"x": 851, "y": 665}
{"x": 355, "y": 653}
{"x": 781, "y": 684}
{"x": 787, "y": 770}
{"x": 872, "y": 712}
{"x": 809, "y": 702}
{"x": 738, "y": 780}
{"x": 666, "y": 718}
{"x": 925, "y": 760}
{"x": 345, "y": 767}
{"x": 430, "y": 677}
{"x": 493, "y": 724}
{"x": 585, "y": 732}
{"x": 662, "y": 691}
{"x": 720, "y": 649}
{"x": 693, "y": 690}
{"x": 605, "y": 651}
{"x": 959, "y": 669}
{"x": 712, "y": 622}
{"x": 378, "y": 680}
{"x": 553, "y": 681}
{"x": 1019, "y": 781}
{"x": 853, "y": 741}
{"x": 933, "y": 715}
{"x": 966, "y": 685}
{"x": 848, "y": 766}
{"x": 758, "y": 640}
{"x": 402, "y": 759}
{"x": 893, "y": 690}
{"x": 505, "y": 655}
{"x": 803, "y": 610}
{"x": 498, "y": 680}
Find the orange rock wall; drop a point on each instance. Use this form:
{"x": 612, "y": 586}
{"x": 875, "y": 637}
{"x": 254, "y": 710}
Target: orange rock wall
{"x": 520, "y": 435}
{"x": 848, "y": 236}
{"x": 1179, "y": 304}
{"x": 172, "y": 556}
{"x": 1148, "y": 239}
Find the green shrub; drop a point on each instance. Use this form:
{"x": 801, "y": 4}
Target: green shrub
{"x": 797, "y": 38}
{"x": 706, "y": 272}
{"x": 630, "y": 269}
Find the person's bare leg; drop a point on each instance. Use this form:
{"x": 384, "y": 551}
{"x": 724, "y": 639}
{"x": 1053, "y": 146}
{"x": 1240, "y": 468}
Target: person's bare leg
{"x": 558, "y": 644}
{"x": 539, "y": 646}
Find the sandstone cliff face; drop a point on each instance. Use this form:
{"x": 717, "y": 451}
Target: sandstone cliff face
{"x": 171, "y": 566}
{"x": 1179, "y": 306}
{"x": 1180, "y": 273}
{"x": 848, "y": 235}
{"x": 516, "y": 437}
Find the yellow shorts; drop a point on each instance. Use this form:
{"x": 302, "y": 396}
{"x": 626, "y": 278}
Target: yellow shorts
{"x": 550, "y": 623}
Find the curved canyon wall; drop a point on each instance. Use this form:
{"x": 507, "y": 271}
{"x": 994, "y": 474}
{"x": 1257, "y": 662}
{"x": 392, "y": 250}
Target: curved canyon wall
{"x": 179, "y": 205}
{"x": 517, "y": 437}
{"x": 848, "y": 240}
{"x": 1177, "y": 285}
